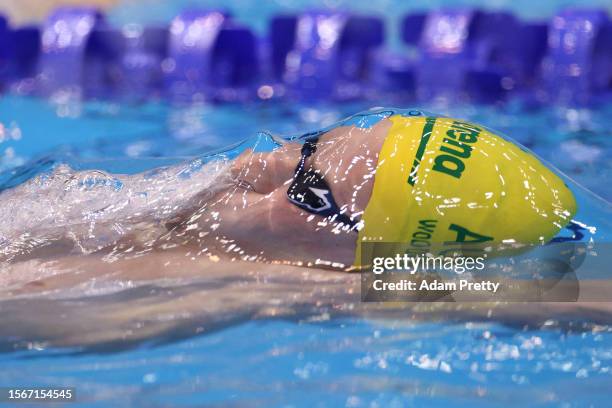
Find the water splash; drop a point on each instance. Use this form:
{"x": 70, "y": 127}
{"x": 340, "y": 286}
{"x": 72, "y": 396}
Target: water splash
{"x": 92, "y": 210}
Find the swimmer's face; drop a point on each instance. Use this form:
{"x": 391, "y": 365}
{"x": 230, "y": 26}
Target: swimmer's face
{"x": 256, "y": 218}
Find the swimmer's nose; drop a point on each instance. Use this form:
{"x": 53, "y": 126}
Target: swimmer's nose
{"x": 267, "y": 171}
{"x": 238, "y": 166}
{"x": 252, "y": 171}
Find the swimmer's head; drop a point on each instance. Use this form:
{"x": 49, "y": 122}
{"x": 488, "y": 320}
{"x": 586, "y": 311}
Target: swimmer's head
{"x": 425, "y": 182}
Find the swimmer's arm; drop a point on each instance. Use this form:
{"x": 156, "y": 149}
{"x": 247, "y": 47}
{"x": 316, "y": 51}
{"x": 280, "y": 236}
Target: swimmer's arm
{"x": 209, "y": 294}
{"x": 291, "y": 286}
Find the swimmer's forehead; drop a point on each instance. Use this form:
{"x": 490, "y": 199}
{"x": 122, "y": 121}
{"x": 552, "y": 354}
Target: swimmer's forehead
{"x": 372, "y": 117}
{"x": 365, "y": 120}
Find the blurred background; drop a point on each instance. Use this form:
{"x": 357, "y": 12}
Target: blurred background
{"x": 255, "y": 13}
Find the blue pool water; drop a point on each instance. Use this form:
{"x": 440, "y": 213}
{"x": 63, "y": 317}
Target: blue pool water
{"x": 351, "y": 363}
{"x": 313, "y": 358}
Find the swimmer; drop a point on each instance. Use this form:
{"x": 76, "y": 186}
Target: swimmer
{"x": 389, "y": 175}
{"x": 163, "y": 239}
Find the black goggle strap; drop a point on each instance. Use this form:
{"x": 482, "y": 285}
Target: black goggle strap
{"x": 308, "y": 149}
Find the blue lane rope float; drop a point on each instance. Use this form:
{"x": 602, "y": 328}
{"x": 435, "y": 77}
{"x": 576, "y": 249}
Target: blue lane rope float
{"x": 316, "y": 55}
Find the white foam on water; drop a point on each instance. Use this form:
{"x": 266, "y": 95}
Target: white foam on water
{"x": 94, "y": 209}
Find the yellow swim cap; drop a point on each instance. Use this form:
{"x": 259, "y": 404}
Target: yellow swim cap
{"x": 444, "y": 183}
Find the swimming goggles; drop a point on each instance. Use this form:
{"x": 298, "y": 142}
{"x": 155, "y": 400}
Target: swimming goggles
{"x": 310, "y": 192}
